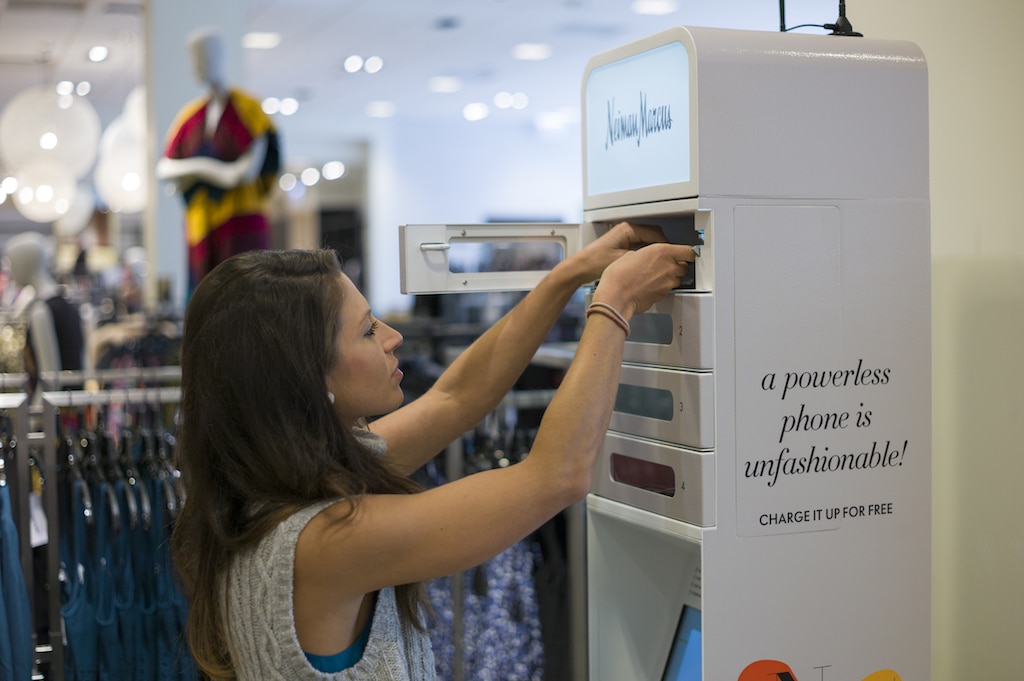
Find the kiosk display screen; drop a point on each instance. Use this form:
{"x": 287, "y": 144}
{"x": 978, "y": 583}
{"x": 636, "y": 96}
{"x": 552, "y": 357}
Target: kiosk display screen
{"x": 638, "y": 124}
{"x": 684, "y": 660}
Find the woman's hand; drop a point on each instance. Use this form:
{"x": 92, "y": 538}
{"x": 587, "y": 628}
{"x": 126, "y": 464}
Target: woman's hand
{"x": 640, "y": 278}
{"x": 610, "y": 246}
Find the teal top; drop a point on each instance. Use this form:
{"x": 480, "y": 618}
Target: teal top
{"x": 346, "y": 658}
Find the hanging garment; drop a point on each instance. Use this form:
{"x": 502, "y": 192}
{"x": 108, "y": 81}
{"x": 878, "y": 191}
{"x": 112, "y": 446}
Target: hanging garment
{"x": 12, "y": 346}
{"x": 16, "y": 624}
{"x": 174, "y": 663}
{"x": 126, "y": 612}
{"x": 117, "y": 615}
{"x": 500, "y": 637}
{"x": 79, "y": 610}
{"x": 67, "y": 324}
{"x": 551, "y": 581}
{"x": 110, "y": 652}
{"x": 168, "y": 649}
{"x": 136, "y": 594}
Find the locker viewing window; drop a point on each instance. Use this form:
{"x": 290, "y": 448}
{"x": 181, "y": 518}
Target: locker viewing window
{"x": 652, "y": 403}
{"x": 648, "y": 475}
{"x": 651, "y": 327}
{"x": 475, "y": 255}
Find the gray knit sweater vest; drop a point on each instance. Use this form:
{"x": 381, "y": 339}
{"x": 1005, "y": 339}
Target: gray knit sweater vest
{"x": 261, "y": 625}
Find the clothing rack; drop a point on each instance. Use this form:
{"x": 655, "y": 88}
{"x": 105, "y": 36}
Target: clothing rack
{"x": 53, "y": 402}
{"x": 34, "y": 428}
{"x": 13, "y": 382}
{"x": 55, "y": 380}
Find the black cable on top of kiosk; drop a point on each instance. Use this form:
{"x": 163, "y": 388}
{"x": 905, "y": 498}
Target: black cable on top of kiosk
{"x": 842, "y": 25}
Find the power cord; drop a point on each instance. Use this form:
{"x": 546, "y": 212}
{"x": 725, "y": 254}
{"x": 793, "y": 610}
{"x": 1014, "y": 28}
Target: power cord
{"x": 842, "y": 25}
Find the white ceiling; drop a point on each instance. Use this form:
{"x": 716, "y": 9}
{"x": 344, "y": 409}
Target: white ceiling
{"x": 47, "y": 41}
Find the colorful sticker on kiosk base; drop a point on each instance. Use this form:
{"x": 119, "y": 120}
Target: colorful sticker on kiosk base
{"x": 773, "y": 670}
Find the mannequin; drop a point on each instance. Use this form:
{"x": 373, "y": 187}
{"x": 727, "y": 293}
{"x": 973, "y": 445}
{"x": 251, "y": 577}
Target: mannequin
{"x": 222, "y": 154}
{"x": 54, "y": 341}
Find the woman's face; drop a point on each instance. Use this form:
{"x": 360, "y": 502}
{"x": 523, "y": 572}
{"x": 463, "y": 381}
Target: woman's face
{"x": 365, "y": 379}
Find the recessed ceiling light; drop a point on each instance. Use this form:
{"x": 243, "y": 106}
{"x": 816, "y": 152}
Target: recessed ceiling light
{"x": 332, "y": 170}
{"x": 531, "y": 51}
{"x": 310, "y": 176}
{"x": 373, "y": 64}
{"x": 98, "y": 53}
{"x": 289, "y": 105}
{"x": 287, "y": 182}
{"x": 477, "y": 111}
{"x": 261, "y": 40}
{"x": 353, "y": 63}
{"x": 271, "y": 105}
{"x": 445, "y": 84}
{"x": 508, "y": 100}
{"x": 380, "y": 109}
{"x": 654, "y": 7}
{"x": 551, "y": 121}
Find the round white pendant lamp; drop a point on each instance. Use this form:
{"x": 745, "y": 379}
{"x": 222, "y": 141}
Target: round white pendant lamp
{"x": 79, "y": 214}
{"x": 46, "y": 189}
{"x": 40, "y": 124}
{"x": 120, "y": 175}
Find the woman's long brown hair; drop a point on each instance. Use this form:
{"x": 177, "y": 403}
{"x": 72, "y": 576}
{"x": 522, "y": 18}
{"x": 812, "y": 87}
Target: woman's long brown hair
{"x": 258, "y": 438}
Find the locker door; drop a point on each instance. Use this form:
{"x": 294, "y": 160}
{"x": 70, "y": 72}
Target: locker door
{"x": 484, "y": 257}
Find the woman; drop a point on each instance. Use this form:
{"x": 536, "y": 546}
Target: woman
{"x": 303, "y": 543}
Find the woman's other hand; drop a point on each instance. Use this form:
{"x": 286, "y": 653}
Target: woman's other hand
{"x": 624, "y": 237}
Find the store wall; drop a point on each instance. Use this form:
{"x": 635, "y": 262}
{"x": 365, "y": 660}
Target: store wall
{"x": 429, "y": 172}
{"x": 974, "y": 55}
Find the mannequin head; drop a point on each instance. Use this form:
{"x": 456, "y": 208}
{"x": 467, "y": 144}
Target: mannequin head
{"x": 206, "y": 48}
{"x": 28, "y": 256}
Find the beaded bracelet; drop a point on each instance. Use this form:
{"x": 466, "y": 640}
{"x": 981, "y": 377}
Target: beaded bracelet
{"x": 610, "y": 312}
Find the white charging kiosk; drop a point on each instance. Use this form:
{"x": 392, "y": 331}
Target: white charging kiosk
{"x": 761, "y": 507}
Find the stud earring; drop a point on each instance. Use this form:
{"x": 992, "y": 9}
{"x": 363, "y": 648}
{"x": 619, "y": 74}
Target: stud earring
{"x": 330, "y": 397}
